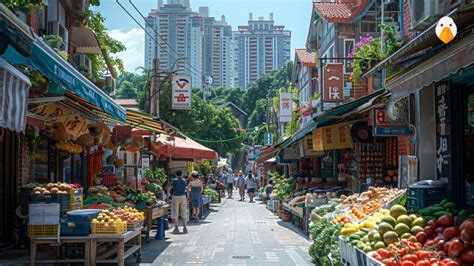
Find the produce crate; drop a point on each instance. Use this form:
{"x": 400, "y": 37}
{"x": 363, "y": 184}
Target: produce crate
{"x": 421, "y": 197}
{"x": 371, "y": 261}
{"x": 470, "y": 193}
{"x": 117, "y": 228}
{"x": 43, "y": 230}
{"x": 347, "y": 252}
{"x": 75, "y": 228}
{"x": 361, "y": 258}
{"x": 63, "y": 199}
{"x": 44, "y": 209}
{"x": 134, "y": 226}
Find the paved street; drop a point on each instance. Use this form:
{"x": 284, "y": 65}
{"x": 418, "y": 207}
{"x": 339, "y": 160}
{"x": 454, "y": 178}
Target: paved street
{"x": 236, "y": 233}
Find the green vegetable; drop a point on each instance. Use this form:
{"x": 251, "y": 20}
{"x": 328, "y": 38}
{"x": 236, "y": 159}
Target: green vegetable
{"x": 441, "y": 213}
{"x": 449, "y": 205}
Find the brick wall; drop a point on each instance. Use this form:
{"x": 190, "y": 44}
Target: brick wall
{"x": 407, "y": 20}
{"x": 34, "y": 21}
{"x": 359, "y": 89}
{"x": 24, "y": 161}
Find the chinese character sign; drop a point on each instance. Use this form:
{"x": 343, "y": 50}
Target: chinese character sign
{"x": 285, "y": 107}
{"x": 443, "y": 132}
{"x": 75, "y": 125}
{"x": 181, "y": 96}
{"x": 332, "y": 137}
{"x": 333, "y": 82}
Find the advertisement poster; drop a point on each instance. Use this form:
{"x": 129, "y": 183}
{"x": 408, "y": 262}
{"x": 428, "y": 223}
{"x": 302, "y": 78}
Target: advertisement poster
{"x": 332, "y": 138}
{"x": 181, "y": 93}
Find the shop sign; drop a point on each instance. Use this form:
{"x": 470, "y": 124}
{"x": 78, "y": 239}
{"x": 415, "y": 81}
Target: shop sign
{"x": 75, "y": 125}
{"x": 267, "y": 139}
{"x": 443, "y": 132}
{"x": 181, "y": 95}
{"x": 332, "y": 137}
{"x": 292, "y": 152}
{"x": 333, "y": 82}
{"x": 285, "y": 107}
{"x": 309, "y": 147}
{"x": 384, "y": 127}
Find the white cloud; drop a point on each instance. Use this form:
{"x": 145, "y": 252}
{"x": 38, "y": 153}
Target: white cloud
{"x": 134, "y": 40}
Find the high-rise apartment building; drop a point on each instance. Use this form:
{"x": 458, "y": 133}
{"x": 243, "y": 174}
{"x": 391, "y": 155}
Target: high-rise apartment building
{"x": 222, "y": 54}
{"x": 261, "y": 47}
{"x": 177, "y": 39}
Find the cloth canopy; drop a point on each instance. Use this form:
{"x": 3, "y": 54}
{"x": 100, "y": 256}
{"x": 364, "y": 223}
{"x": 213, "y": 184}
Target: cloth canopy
{"x": 180, "y": 148}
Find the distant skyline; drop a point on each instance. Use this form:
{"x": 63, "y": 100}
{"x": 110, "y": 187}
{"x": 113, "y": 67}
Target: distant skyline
{"x": 293, "y": 14}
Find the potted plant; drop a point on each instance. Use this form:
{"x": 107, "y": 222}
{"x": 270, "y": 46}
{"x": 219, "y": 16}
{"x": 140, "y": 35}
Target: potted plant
{"x": 314, "y": 100}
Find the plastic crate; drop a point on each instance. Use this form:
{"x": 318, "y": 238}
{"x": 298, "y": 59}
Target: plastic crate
{"x": 134, "y": 226}
{"x": 117, "y": 228}
{"x": 44, "y": 209}
{"x": 347, "y": 252}
{"x": 415, "y": 204}
{"x": 43, "y": 219}
{"x": 371, "y": 261}
{"x": 75, "y": 228}
{"x": 421, "y": 197}
{"x": 63, "y": 199}
{"x": 82, "y": 215}
{"x": 43, "y": 230}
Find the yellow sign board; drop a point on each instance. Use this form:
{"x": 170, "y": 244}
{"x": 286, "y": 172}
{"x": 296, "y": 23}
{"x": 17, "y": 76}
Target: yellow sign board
{"x": 308, "y": 147}
{"x": 75, "y": 125}
{"x": 332, "y": 137}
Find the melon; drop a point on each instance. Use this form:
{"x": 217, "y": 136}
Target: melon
{"x": 401, "y": 229}
{"x": 419, "y": 222}
{"x": 404, "y": 219}
{"x": 390, "y": 237}
{"x": 385, "y": 227}
{"x": 397, "y": 210}
{"x": 416, "y": 229}
{"x": 390, "y": 220}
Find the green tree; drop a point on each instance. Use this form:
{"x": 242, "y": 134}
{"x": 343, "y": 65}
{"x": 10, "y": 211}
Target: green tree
{"x": 126, "y": 90}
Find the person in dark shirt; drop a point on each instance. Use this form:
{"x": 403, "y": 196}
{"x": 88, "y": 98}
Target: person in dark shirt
{"x": 179, "y": 202}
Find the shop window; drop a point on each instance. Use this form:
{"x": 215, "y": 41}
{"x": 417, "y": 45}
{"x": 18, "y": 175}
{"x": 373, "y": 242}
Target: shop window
{"x": 348, "y": 46}
{"x": 369, "y": 23}
{"x": 40, "y": 161}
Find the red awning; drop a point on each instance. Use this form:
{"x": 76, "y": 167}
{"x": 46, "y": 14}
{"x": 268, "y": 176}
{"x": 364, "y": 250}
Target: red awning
{"x": 176, "y": 147}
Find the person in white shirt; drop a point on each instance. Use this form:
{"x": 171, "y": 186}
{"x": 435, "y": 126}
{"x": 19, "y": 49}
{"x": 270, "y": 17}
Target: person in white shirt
{"x": 241, "y": 185}
{"x": 251, "y": 184}
{"x": 229, "y": 182}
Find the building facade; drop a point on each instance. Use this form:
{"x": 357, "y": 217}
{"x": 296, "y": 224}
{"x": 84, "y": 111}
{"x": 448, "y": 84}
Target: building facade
{"x": 261, "y": 47}
{"x": 177, "y": 39}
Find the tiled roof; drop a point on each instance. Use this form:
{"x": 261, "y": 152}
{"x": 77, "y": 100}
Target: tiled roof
{"x": 126, "y": 102}
{"x": 305, "y": 57}
{"x": 340, "y": 12}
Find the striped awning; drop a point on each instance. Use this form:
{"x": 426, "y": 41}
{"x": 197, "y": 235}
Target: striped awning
{"x": 14, "y": 91}
{"x": 143, "y": 121}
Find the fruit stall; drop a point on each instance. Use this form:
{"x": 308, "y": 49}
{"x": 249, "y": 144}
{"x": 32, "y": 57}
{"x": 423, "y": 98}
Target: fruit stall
{"x": 376, "y": 228}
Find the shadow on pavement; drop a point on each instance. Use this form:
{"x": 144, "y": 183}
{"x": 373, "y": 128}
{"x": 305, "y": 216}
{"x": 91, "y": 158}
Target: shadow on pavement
{"x": 150, "y": 251}
{"x": 290, "y": 226}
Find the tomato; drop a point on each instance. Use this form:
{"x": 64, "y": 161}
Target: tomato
{"x": 391, "y": 262}
{"x": 446, "y": 246}
{"x": 385, "y": 254}
{"x": 455, "y": 247}
{"x": 469, "y": 223}
{"x": 451, "y": 232}
{"x": 441, "y": 254}
{"x": 433, "y": 222}
{"x": 376, "y": 256}
{"x": 439, "y": 230}
{"x": 466, "y": 234}
{"x": 423, "y": 254}
{"x": 407, "y": 263}
{"x": 429, "y": 230}
{"x": 433, "y": 260}
{"x": 446, "y": 221}
{"x": 410, "y": 257}
{"x": 441, "y": 244}
{"x": 450, "y": 262}
{"x": 421, "y": 237}
{"x": 423, "y": 263}
{"x": 404, "y": 251}
{"x": 467, "y": 256}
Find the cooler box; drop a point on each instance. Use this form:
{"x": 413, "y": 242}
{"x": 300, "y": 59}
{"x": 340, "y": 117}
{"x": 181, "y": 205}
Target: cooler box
{"x": 78, "y": 223}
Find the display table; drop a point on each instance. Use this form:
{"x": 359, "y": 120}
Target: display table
{"x": 65, "y": 240}
{"x": 311, "y": 185}
{"x": 123, "y": 246}
{"x": 150, "y": 215}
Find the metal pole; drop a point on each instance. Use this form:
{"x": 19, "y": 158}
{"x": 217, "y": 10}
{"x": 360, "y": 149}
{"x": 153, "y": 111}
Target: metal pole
{"x": 154, "y": 87}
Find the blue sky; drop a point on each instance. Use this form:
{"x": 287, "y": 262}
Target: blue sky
{"x": 294, "y": 14}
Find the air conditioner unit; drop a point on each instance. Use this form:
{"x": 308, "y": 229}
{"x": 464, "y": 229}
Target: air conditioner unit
{"x": 423, "y": 13}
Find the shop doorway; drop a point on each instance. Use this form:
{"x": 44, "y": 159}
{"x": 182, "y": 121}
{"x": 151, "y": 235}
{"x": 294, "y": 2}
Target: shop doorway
{"x": 8, "y": 184}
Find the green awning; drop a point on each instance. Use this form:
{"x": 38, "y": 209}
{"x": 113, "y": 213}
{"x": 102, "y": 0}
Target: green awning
{"x": 52, "y": 65}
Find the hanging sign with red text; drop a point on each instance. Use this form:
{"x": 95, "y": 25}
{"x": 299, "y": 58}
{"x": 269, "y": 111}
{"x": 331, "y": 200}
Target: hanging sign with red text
{"x": 333, "y": 82}
{"x": 384, "y": 127}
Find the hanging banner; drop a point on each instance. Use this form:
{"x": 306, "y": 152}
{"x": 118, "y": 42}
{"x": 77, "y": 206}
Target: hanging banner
{"x": 285, "y": 107}
{"x": 309, "y": 147}
{"x": 332, "y": 138}
{"x": 267, "y": 139}
{"x": 75, "y": 125}
{"x": 443, "y": 131}
{"x": 333, "y": 82}
{"x": 181, "y": 93}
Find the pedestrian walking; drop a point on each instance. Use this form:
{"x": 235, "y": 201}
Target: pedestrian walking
{"x": 229, "y": 182}
{"x": 251, "y": 184}
{"x": 268, "y": 190}
{"x": 241, "y": 185}
{"x": 179, "y": 204}
{"x": 196, "y": 188}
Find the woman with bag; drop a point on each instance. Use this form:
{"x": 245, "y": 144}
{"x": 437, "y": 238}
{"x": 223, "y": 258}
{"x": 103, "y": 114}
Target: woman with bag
{"x": 251, "y": 184}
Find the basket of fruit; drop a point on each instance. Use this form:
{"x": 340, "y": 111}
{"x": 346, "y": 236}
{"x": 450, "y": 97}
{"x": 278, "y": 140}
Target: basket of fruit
{"x": 132, "y": 216}
{"x": 107, "y": 223}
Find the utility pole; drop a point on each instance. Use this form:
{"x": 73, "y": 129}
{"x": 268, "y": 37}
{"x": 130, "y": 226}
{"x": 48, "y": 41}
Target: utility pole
{"x": 154, "y": 88}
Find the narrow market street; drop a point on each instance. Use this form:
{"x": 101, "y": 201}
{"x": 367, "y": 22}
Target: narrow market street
{"x": 234, "y": 233}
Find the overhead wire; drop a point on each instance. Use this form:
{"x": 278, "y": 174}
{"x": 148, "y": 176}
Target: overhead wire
{"x": 154, "y": 39}
{"x": 161, "y": 37}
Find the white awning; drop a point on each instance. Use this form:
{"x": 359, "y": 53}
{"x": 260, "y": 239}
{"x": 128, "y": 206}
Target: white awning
{"x": 14, "y": 91}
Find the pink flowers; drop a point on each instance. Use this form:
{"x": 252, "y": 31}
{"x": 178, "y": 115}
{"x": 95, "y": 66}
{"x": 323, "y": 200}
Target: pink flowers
{"x": 364, "y": 41}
